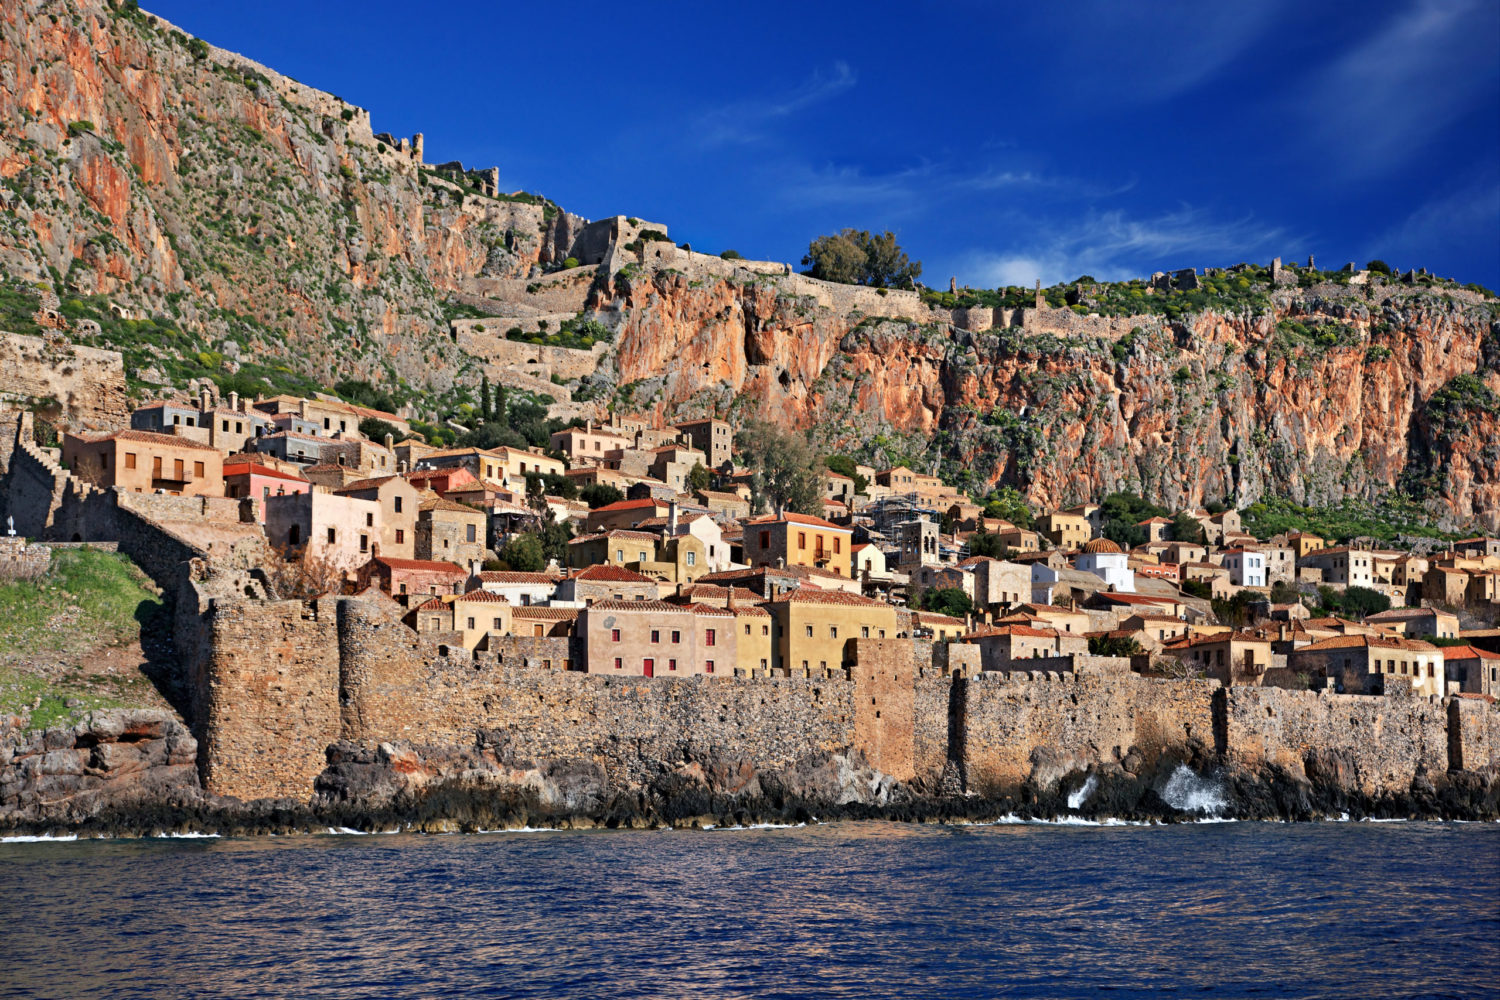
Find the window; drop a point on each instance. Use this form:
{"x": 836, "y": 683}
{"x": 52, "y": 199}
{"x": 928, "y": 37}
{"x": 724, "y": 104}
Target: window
{"x": 614, "y": 636}
{"x": 294, "y": 535}
{"x": 537, "y": 630}
{"x": 762, "y": 664}
{"x": 671, "y": 664}
{"x": 747, "y": 628}
{"x": 765, "y": 630}
{"x": 676, "y": 636}
{"x": 471, "y": 623}
{"x": 468, "y": 532}
{"x": 369, "y": 519}
{"x": 864, "y": 631}
{"x": 837, "y": 543}
{"x": 640, "y": 556}
{"x": 364, "y": 543}
{"x": 445, "y": 543}
{"x": 801, "y": 540}
{"x": 397, "y": 506}
{"x": 655, "y": 635}
{"x": 619, "y": 555}
{"x": 809, "y": 631}
{"x": 331, "y": 536}
{"x": 619, "y": 663}
{"x": 882, "y": 633}
{"x": 708, "y": 667}
{"x": 692, "y": 558}
{"x": 400, "y": 535}
{"x": 130, "y": 460}
{"x": 709, "y": 636}
{"x": 765, "y": 539}
{"x": 402, "y": 589}
{"x": 177, "y": 464}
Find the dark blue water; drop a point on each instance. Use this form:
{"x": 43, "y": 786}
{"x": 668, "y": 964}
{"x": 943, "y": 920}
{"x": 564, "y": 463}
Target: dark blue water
{"x": 847, "y": 910}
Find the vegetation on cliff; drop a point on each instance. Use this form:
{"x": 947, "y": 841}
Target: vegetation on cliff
{"x": 71, "y": 641}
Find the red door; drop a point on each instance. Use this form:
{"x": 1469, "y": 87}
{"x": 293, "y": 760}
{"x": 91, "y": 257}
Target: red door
{"x": 650, "y": 666}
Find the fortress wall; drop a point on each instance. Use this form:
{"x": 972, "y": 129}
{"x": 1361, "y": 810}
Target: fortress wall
{"x": 1088, "y": 717}
{"x": 491, "y": 345}
{"x": 1473, "y": 732}
{"x": 87, "y": 382}
{"x": 267, "y": 691}
{"x": 1389, "y": 738}
{"x": 935, "y": 699}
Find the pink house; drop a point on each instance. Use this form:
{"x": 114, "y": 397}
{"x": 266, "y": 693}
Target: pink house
{"x": 248, "y": 479}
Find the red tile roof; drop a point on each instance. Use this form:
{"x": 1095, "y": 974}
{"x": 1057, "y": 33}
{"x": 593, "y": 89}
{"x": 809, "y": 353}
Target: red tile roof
{"x": 548, "y": 613}
{"x": 628, "y": 505}
{"x": 482, "y": 597}
{"x": 813, "y": 595}
{"x": 256, "y": 469}
{"x": 508, "y": 576}
{"x": 365, "y": 484}
{"x": 147, "y": 437}
{"x": 1468, "y": 653}
{"x": 657, "y": 607}
{"x": 436, "y": 604}
{"x": 1366, "y": 642}
{"x": 605, "y": 573}
{"x": 808, "y": 519}
{"x": 422, "y": 565}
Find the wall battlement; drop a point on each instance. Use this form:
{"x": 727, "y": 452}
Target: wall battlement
{"x": 276, "y": 682}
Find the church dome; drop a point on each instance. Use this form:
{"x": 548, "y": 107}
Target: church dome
{"x": 1101, "y": 545}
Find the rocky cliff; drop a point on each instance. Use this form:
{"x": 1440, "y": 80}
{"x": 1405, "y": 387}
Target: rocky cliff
{"x": 205, "y": 215}
{"x": 1323, "y": 393}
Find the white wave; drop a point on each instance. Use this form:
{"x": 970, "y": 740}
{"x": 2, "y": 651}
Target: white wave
{"x": 1080, "y": 796}
{"x": 41, "y": 839}
{"x": 1013, "y": 820}
{"x": 190, "y": 835}
{"x": 1382, "y": 819}
{"x": 1190, "y": 793}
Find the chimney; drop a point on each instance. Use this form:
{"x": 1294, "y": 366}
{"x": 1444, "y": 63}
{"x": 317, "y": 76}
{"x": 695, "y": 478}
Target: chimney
{"x": 234, "y": 401}
{"x": 401, "y": 468}
{"x": 390, "y": 441}
{"x": 729, "y": 602}
{"x": 588, "y": 426}
{"x": 780, "y": 511}
{"x": 203, "y": 397}
{"x": 672, "y": 519}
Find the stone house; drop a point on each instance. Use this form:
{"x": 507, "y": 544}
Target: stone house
{"x": 1445, "y": 585}
{"x": 606, "y": 582}
{"x": 1217, "y": 526}
{"x": 251, "y": 479}
{"x": 518, "y": 589}
{"x": 539, "y": 622}
{"x": 612, "y": 548}
{"x": 398, "y": 500}
{"x": 302, "y": 449}
{"x": 1019, "y": 539}
{"x": 898, "y": 479}
{"x": 1343, "y": 567}
{"x": 1478, "y": 547}
{"x": 1227, "y": 657}
{"x": 1064, "y": 530}
{"x": 517, "y": 463}
{"x": 341, "y": 531}
{"x": 587, "y": 445}
{"x": 715, "y": 438}
{"x": 145, "y": 462}
{"x": 837, "y": 486}
{"x": 1014, "y": 647}
{"x": 723, "y": 506}
{"x": 434, "y": 615}
{"x": 753, "y": 642}
{"x": 626, "y": 514}
{"x": 1092, "y": 513}
{"x": 405, "y": 578}
{"x": 596, "y": 475}
{"x": 1184, "y": 552}
{"x": 998, "y": 583}
{"x": 329, "y": 477}
{"x": 814, "y": 628}
{"x": 940, "y": 628}
{"x": 672, "y": 463}
{"x": 1157, "y": 528}
{"x": 1134, "y": 603}
{"x": 1417, "y": 623}
{"x": 1069, "y": 620}
{"x": 481, "y": 463}
{"x": 479, "y": 614}
{"x": 798, "y": 540}
{"x": 226, "y": 429}
{"x": 1476, "y": 671}
{"x": 450, "y": 531}
{"x": 1361, "y": 663}
{"x": 700, "y": 526}
{"x": 355, "y": 452}
{"x": 445, "y": 481}
{"x": 657, "y": 639}
{"x": 1302, "y": 543}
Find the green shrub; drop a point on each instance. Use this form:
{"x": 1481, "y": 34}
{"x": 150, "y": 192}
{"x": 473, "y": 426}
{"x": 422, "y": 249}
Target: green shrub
{"x": 80, "y": 127}
{"x": 731, "y": 255}
{"x": 570, "y": 263}
{"x": 1378, "y": 266}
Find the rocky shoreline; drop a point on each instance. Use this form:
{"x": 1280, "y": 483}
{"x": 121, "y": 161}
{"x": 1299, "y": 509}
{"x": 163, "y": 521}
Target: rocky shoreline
{"x": 129, "y": 773}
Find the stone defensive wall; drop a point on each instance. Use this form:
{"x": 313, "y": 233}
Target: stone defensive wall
{"x": 276, "y": 682}
{"x": 485, "y": 339}
{"x": 86, "y": 383}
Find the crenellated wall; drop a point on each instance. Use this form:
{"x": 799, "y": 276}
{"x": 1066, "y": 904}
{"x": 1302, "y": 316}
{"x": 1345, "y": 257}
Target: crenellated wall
{"x": 279, "y": 681}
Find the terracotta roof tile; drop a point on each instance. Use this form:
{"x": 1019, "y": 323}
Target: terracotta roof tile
{"x": 606, "y": 573}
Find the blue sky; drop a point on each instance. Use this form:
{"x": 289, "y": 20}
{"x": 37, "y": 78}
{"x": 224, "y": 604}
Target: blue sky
{"x": 1002, "y": 143}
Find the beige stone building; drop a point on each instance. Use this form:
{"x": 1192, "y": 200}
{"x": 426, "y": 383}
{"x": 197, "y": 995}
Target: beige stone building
{"x": 1066, "y": 531}
{"x": 1361, "y": 663}
{"x": 1343, "y": 567}
{"x": 587, "y": 445}
{"x": 342, "y": 531}
{"x": 814, "y": 628}
{"x": 607, "y": 583}
{"x": 450, "y": 531}
{"x": 657, "y": 639}
{"x": 398, "y": 501}
{"x": 1227, "y": 657}
{"x": 1015, "y": 647}
{"x": 715, "y": 438}
{"x": 145, "y": 462}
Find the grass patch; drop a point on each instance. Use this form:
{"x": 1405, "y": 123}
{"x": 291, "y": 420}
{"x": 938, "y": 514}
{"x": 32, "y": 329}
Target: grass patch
{"x": 88, "y": 599}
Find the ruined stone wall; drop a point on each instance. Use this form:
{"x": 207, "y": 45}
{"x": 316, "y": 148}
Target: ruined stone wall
{"x": 937, "y": 703}
{"x": 1085, "y": 718}
{"x": 884, "y": 705}
{"x": 1387, "y": 738}
{"x": 485, "y": 338}
{"x": 1473, "y": 732}
{"x": 267, "y": 696}
{"x": 87, "y": 383}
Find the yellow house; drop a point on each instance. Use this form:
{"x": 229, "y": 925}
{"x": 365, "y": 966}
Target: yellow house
{"x": 814, "y": 628}
{"x": 1066, "y": 531}
{"x": 798, "y": 540}
{"x": 755, "y": 648}
{"x": 478, "y": 613}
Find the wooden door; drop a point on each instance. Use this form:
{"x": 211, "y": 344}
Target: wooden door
{"x": 650, "y": 667}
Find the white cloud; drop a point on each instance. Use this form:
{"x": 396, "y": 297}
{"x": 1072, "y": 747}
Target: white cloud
{"x": 746, "y": 121}
{"x": 1112, "y": 246}
{"x": 1470, "y": 213}
{"x": 1378, "y": 105}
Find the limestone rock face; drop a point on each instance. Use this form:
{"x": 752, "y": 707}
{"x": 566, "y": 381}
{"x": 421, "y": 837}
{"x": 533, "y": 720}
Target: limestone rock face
{"x": 1222, "y": 406}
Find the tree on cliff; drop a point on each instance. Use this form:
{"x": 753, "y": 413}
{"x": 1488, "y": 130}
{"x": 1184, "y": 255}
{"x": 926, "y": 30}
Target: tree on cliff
{"x": 1185, "y": 528}
{"x": 855, "y": 257}
{"x": 523, "y": 554}
{"x": 698, "y": 477}
{"x": 845, "y": 466}
{"x": 787, "y": 472}
{"x": 1122, "y": 514}
{"x": 950, "y": 601}
{"x": 600, "y": 495}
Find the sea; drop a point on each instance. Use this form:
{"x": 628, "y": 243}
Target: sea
{"x": 1353, "y": 909}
